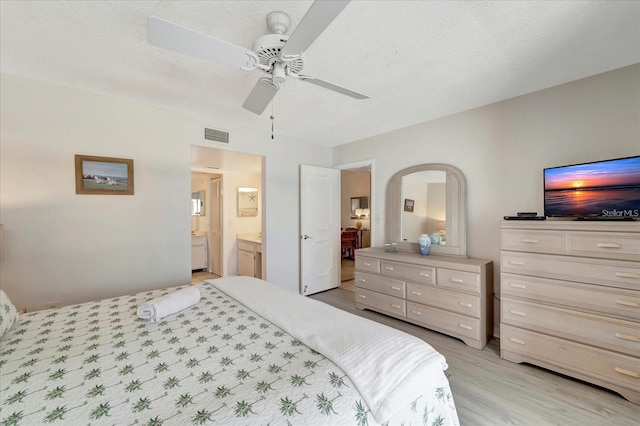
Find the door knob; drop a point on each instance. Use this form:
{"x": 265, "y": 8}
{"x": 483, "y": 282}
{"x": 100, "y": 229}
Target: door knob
{"x": 306, "y": 237}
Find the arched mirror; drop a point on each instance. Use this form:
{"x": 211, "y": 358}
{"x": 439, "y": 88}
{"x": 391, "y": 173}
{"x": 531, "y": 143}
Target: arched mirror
{"x": 428, "y": 199}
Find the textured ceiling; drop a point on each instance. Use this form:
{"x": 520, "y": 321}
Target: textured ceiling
{"x": 416, "y": 60}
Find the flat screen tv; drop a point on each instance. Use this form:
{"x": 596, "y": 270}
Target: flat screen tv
{"x": 608, "y": 189}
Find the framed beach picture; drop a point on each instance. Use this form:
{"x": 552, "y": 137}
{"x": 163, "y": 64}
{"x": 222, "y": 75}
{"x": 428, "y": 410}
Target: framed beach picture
{"x": 408, "y": 205}
{"x": 104, "y": 175}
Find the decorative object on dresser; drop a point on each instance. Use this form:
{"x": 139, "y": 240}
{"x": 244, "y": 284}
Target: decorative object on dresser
{"x": 424, "y": 244}
{"x": 452, "y": 295}
{"x": 571, "y": 300}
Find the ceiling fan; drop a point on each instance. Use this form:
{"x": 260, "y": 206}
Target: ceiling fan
{"x": 276, "y": 54}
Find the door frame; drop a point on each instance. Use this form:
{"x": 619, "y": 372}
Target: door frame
{"x": 372, "y": 205}
{"x": 218, "y": 202}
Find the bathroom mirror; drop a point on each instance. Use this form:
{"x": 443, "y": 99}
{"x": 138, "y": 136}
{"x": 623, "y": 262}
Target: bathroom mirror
{"x": 360, "y": 207}
{"x": 438, "y": 193}
{"x": 247, "y": 202}
{"x": 197, "y": 203}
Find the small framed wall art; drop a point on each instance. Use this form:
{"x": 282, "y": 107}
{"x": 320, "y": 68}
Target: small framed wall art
{"x": 104, "y": 175}
{"x": 408, "y": 205}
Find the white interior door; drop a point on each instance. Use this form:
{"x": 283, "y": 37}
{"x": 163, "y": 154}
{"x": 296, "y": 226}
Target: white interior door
{"x": 216, "y": 226}
{"x": 319, "y": 229}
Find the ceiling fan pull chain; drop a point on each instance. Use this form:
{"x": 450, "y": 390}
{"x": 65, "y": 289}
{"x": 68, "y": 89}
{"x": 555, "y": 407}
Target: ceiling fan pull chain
{"x": 271, "y": 117}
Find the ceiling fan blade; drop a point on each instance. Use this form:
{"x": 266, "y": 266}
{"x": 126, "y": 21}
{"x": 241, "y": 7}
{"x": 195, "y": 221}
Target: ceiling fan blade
{"x": 318, "y": 17}
{"x": 260, "y": 96}
{"x": 183, "y": 40}
{"x": 331, "y": 86}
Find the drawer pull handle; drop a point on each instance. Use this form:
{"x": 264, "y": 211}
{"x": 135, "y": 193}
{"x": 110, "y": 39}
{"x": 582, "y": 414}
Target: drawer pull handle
{"x": 366, "y": 263}
{"x": 519, "y": 313}
{"x": 456, "y": 280}
{"x": 609, "y": 245}
{"x": 628, "y": 337}
{"x": 516, "y": 262}
{"x": 362, "y": 280}
{"x": 627, "y": 372}
{"x": 416, "y": 312}
{"x": 529, "y": 240}
{"x": 417, "y": 293}
{"x": 395, "y": 288}
{"x": 518, "y": 341}
{"x": 388, "y": 268}
{"x": 468, "y": 305}
{"x": 465, "y": 326}
{"x": 362, "y": 296}
{"x": 627, "y": 275}
{"x": 395, "y": 306}
{"x": 517, "y": 285}
{"x": 423, "y": 274}
{"x": 628, "y": 303}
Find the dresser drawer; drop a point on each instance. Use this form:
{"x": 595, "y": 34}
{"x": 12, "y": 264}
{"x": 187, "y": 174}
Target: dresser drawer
{"x": 607, "y": 333}
{"x": 600, "y": 364}
{"x": 533, "y": 241}
{"x": 457, "y": 280}
{"x": 380, "y": 302}
{"x": 462, "y": 303}
{"x": 415, "y": 273}
{"x": 607, "y": 300}
{"x": 613, "y": 273}
{"x": 367, "y": 264}
{"x": 380, "y": 284}
{"x": 448, "y": 322}
{"x": 606, "y": 245}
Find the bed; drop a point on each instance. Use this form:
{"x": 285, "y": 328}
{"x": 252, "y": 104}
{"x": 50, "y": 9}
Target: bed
{"x": 248, "y": 352}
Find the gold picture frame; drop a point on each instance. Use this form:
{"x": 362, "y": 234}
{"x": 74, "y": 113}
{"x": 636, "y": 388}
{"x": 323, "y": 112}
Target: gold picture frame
{"x": 103, "y": 175}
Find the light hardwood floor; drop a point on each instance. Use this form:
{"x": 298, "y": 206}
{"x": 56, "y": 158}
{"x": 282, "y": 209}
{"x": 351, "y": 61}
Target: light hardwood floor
{"x": 491, "y": 391}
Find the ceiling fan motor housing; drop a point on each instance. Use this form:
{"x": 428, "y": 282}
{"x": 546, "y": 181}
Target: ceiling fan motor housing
{"x": 268, "y": 48}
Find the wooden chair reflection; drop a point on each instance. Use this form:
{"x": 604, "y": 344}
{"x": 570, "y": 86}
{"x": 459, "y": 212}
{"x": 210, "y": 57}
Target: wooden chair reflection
{"x": 349, "y": 243}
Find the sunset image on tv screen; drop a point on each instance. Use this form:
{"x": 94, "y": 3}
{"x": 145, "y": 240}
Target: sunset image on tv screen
{"x": 606, "y": 188}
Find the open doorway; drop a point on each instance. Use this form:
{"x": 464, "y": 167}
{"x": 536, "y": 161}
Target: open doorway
{"x": 219, "y": 174}
{"x": 356, "y": 207}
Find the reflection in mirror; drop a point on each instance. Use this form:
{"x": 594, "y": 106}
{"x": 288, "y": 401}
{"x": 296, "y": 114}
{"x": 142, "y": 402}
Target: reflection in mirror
{"x": 427, "y": 190}
{"x": 247, "y": 201}
{"x": 360, "y": 207}
{"x": 439, "y": 194}
{"x": 197, "y": 203}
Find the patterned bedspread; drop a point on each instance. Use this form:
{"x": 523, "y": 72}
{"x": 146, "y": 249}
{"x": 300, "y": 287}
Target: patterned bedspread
{"x": 214, "y": 363}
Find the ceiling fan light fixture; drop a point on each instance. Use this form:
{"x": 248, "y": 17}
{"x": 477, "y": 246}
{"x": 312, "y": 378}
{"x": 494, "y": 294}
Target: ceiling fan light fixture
{"x": 278, "y": 75}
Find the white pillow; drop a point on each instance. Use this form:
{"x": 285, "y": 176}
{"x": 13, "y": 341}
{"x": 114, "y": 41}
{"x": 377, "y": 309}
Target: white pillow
{"x": 8, "y": 313}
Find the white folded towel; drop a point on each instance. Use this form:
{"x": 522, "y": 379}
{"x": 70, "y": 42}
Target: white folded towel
{"x": 156, "y": 309}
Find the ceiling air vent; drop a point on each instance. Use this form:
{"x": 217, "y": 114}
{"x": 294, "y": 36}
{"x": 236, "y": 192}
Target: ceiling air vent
{"x": 216, "y": 135}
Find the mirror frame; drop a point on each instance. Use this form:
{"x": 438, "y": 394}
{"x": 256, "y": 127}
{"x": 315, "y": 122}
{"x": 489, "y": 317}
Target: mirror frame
{"x": 359, "y": 206}
{"x": 198, "y": 209}
{"x": 456, "y": 210}
{"x": 247, "y": 211}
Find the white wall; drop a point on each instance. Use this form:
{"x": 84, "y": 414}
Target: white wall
{"x": 502, "y": 148}
{"x": 71, "y": 248}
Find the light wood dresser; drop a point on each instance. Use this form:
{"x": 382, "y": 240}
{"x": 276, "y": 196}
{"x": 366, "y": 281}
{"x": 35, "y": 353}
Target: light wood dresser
{"x": 452, "y": 295}
{"x": 571, "y": 300}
